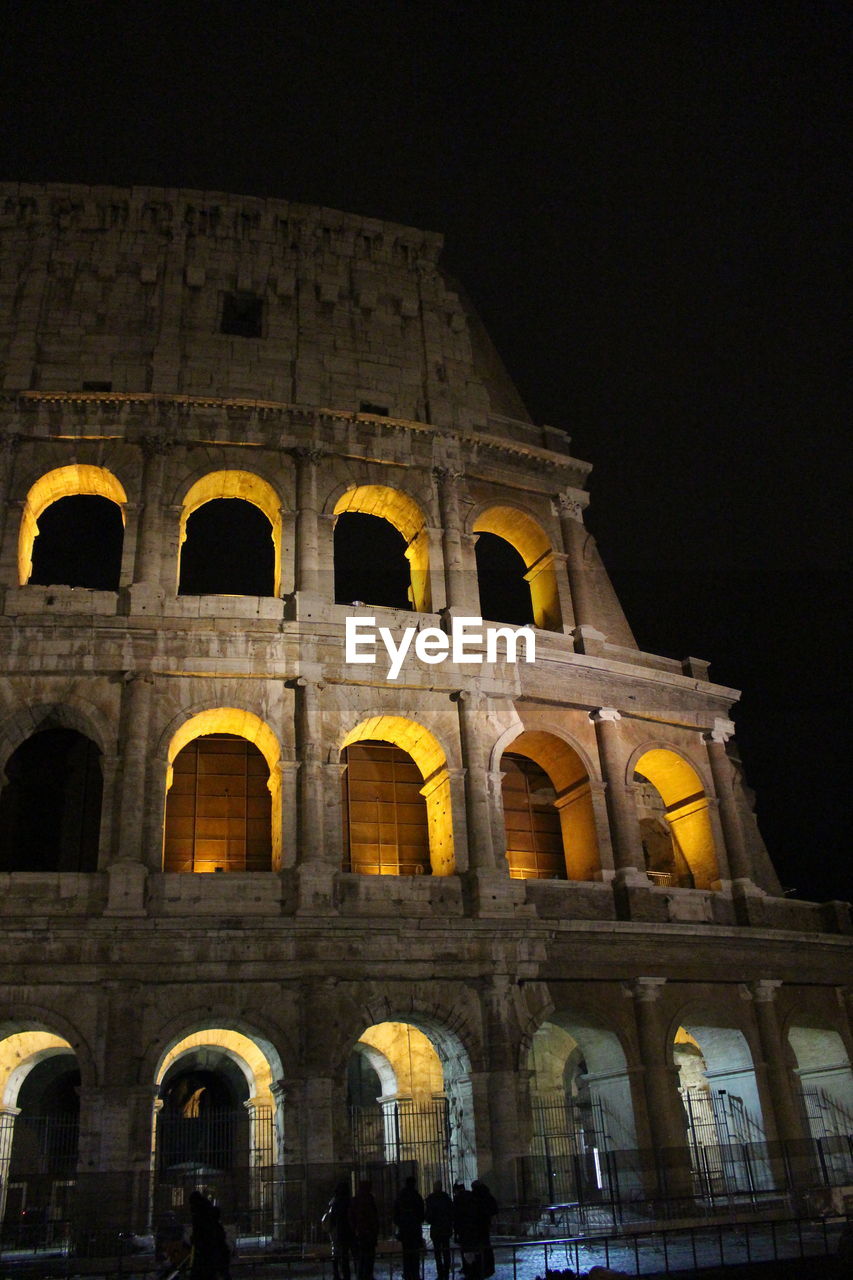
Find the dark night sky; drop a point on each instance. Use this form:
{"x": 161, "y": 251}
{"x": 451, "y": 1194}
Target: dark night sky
{"x": 644, "y": 200}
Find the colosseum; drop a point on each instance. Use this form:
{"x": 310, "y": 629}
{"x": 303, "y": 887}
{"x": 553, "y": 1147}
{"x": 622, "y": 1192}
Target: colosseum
{"x": 308, "y": 871}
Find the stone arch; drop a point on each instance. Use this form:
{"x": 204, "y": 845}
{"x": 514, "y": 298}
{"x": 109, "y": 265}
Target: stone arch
{"x": 569, "y": 774}
{"x": 406, "y": 516}
{"x": 683, "y": 807}
{"x": 429, "y": 757}
{"x": 525, "y": 534}
{"x": 51, "y": 1023}
{"x": 239, "y": 722}
{"x": 821, "y": 1062}
{"x": 247, "y": 486}
{"x": 74, "y": 480}
{"x": 74, "y": 712}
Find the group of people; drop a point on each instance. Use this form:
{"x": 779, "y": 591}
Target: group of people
{"x": 466, "y": 1218}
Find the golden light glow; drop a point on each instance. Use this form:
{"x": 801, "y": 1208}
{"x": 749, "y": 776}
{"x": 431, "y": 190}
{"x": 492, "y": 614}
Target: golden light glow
{"x": 569, "y": 777}
{"x": 427, "y": 754}
{"x": 412, "y": 1057}
{"x": 74, "y": 481}
{"x": 405, "y": 515}
{"x": 248, "y": 1056}
{"x": 243, "y": 724}
{"x": 237, "y": 484}
{"x": 528, "y": 538}
{"x": 681, "y": 790}
{"x": 19, "y": 1053}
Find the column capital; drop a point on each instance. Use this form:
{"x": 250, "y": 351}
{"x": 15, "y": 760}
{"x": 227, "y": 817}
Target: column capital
{"x": 153, "y": 446}
{"x": 764, "y": 990}
{"x": 569, "y": 505}
{"x": 721, "y": 732}
{"x": 604, "y": 715}
{"x": 447, "y": 475}
{"x": 645, "y": 990}
{"x": 308, "y": 453}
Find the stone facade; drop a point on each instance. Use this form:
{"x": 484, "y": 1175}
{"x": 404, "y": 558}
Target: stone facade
{"x": 367, "y": 384}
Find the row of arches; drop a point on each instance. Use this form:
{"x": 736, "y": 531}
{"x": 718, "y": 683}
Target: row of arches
{"x": 402, "y": 1096}
{"x": 223, "y": 803}
{"x": 230, "y": 538}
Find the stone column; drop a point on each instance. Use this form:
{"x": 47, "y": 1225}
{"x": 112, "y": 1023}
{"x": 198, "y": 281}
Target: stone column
{"x": 628, "y": 859}
{"x": 481, "y": 854}
{"x": 664, "y": 1111}
{"x": 506, "y": 1131}
{"x": 7, "y": 462}
{"x": 128, "y": 872}
{"x": 114, "y": 1165}
{"x": 308, "y": 567}
{"x": 460, "y": 573}
{"x": 788, "y": 1115}
{"x": 575, "y": 539}
{"x": 149, "y": 548}
{"x": 721, "y": 771}
{"x": 314, "y": 872}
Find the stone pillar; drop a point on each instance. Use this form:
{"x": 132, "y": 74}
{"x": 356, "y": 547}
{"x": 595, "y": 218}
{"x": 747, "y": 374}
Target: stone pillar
{"x": 314, "y": 871}
{"x": 575, "y": 539}
{"x": 628, "y": 859}
{"x": 114, "y": 1164}
{"x": 721, "y": 771}
{"x": 506, "y": 1129}
{"x": 127, "y": 871}
{"x": 460, "y": 572}
{"x": 788, "y": 1115}
{"x": 7, "y": 463}
{"x": 308, "y": 567}
{"x": 664, "y": 1111}
{"x": 149, "y": 546}
{"x": 481, "y": 855}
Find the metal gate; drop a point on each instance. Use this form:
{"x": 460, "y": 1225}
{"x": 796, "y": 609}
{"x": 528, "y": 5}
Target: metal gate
{"x": 403, "y": 1133}
{"x": 227, "y": 1155}
{"x": 38, "y": 1164}
{"x": 726, "y": 1143}
{"x": 570, "y": 1151}
{"x": 831, "y": 1128}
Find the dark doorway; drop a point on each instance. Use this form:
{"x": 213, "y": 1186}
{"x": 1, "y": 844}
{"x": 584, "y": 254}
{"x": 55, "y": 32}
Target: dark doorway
{"x": 386, "y": 831}
{"x": 50, "y": 806}
{"x": 228, "y": 551}
{"x": 370, "y": 562}
{"x": 79, "y": 544}
{"x": 504, "y": 593}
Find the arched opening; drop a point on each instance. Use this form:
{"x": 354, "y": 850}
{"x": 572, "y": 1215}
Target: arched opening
{"x": 410, "y": 1107}
{"x": 397, "y": 816}
{"x": 672, "y": 809}
{"x": 216, "y": 1128}
{"x": 39, "y": 1137}
{"x": 386, "y": 827}
{"x": 223, "y": 798}
{"x": 230, "y": 537}
{"x": 381, "y": 549}
{"x": 72, "y": 529}
{"x": 526, "y": 581}
{"x": 548, "y": 814}
{"x": 50, "y": 804}
{"x": 725, "y": 1127}
{"x": 826, "y": 1087}
{"x": 584, "y": 1144}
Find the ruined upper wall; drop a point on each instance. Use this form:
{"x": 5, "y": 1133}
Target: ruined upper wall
{"x": 129, "y": 287}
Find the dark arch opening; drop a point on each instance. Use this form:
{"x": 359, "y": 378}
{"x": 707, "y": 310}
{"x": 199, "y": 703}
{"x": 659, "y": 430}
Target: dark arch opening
{"x": 504, "y": 592}
{"x": 228, "y": 551}
{"x": 370, "y": 562}
{"x": 79, "y": 544}
{"x": 50, "y": 807}
{"x": 203, "y": 1124}
{"x": 46, "y": 1133}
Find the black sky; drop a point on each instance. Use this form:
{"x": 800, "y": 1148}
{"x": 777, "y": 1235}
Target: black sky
{"x": 644, "y": 201}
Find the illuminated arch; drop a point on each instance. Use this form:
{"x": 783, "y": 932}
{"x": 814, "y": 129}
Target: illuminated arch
{"x": 242, "y": 724}
{"x": 529, "y": 539}
{"x": 246, "y": 486}
{"x": 430, "y": 759}
{"x": 405, "y": 515}
{"x": 570, "y": 778}
{"x": 685, "y": 809}
{"x": 74, "y": 481}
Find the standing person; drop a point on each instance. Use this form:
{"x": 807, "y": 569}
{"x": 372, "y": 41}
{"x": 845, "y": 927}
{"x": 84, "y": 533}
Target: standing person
{"x": 466, "y": 1224}
{"x": 408, "y": 1215}
{"x": 338, "y": 1225}
{"x": 486, "y": 1206}
{"x": 364, "y": 1223}
{"x": 210, "y": 1254}
{"x": 438, "y": 1212}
